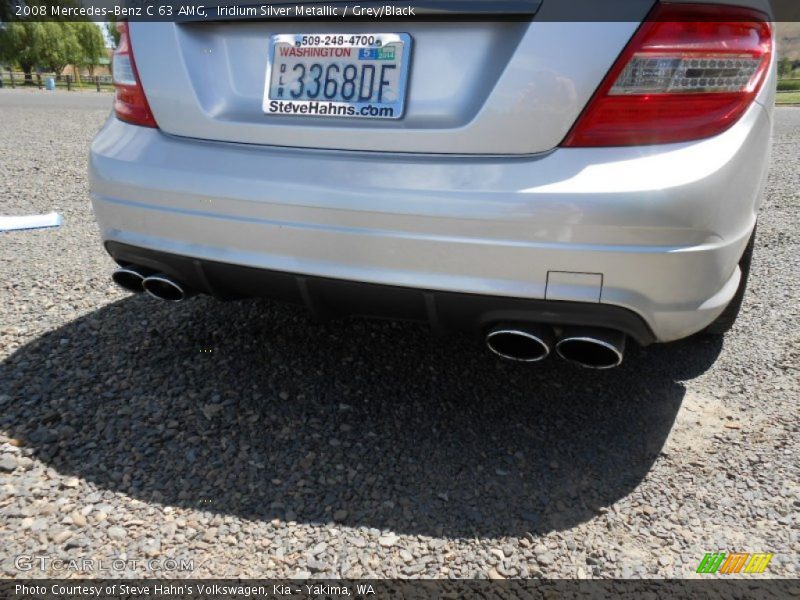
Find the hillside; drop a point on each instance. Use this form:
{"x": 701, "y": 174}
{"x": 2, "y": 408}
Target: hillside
{"x": 789, "y": 40}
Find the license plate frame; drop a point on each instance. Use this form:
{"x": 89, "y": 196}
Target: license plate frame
{"x": 377, "y": 47}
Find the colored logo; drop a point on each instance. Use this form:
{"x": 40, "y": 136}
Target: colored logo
{"x": 728, "y": 564}
{"x": 386, "y": 53}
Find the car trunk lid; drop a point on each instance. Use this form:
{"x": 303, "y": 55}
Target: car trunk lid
{"x": 500, "y": 87}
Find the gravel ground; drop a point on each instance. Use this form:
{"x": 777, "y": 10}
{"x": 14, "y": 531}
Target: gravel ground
{"x": 254, "y": 442}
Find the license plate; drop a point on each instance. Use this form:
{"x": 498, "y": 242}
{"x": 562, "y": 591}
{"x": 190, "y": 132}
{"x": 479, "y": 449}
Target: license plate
{"x": 338, "y": 75}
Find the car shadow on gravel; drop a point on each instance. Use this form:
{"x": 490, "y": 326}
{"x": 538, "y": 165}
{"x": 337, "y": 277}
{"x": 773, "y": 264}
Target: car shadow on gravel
{"x": 250, "y": 409}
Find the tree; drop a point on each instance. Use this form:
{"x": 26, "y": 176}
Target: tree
{"x": 111, "y": 30}
{"x": 23, "y": 43}
{"x": 6, "y": 12}
{"x": 62, "y": 47}
{"x": 784, "y": 67}
{"x": 29, "y": 44}
{"x": 93, "y": 46}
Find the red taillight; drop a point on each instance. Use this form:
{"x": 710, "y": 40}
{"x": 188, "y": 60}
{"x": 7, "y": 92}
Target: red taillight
{"x": 130, "y": 103}
{"x": 690, "y": 72}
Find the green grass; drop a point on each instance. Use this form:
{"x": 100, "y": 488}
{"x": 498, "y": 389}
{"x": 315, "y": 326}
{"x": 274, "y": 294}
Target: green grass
{"x": 789, "y": 85}
{"x": 788, "y": 98}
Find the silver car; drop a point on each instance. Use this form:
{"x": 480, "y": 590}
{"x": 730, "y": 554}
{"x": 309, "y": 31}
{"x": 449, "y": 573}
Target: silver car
{"x": 550, "y": 185}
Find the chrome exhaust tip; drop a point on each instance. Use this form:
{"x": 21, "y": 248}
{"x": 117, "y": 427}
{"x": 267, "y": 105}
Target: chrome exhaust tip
{"x": 131, "y": 278}
{"x": 522, "y": 343}
{"x": 164, "y": 288}
{"x": 592, "y": 347}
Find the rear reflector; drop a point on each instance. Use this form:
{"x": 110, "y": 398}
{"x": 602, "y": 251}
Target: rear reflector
{"x": 130, "y": 103}
{"x": 690, "y": 72}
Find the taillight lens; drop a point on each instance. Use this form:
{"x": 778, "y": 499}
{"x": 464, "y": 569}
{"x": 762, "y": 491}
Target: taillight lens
{"x": 130, "y": 103}
{"x": 690, "y": 72}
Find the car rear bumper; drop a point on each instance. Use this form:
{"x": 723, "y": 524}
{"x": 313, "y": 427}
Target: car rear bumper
{"x": 329, "y": 298}
{"x": 654, "y": 230}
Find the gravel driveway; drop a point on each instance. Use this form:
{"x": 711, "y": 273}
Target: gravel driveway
{"x": 254, "y": 442}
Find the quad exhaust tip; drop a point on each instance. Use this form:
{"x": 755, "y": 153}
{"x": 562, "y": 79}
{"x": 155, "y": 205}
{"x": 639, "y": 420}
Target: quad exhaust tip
{"x": 592, "y": 347}
{"x": 525, "y": 343}
{"x": 131, "y": 278}
{"x": 164, "y": 288}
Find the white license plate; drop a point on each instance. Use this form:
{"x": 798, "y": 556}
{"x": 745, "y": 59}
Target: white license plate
{"x": 338, "y": 75}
